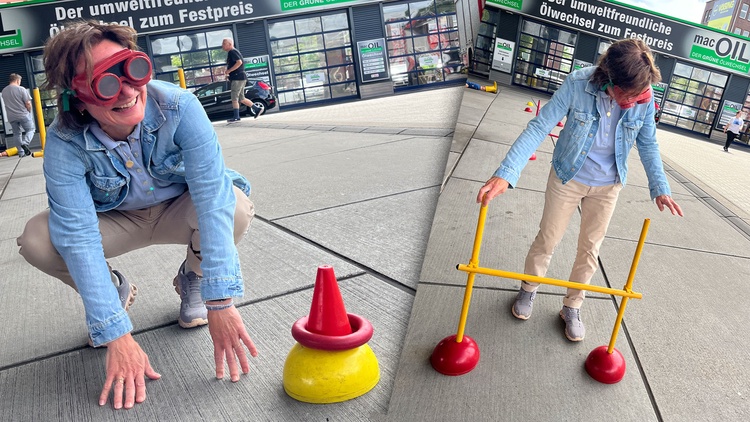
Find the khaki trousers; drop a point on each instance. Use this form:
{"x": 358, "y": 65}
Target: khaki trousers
{"x": 171, "y": 222}
{"x": 560, "y": 201}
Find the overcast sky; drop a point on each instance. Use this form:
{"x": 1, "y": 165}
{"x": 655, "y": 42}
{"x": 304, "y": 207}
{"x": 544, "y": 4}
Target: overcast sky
{"x": 689, "y": 10}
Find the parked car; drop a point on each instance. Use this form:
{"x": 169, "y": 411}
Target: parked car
{"x": 216, "y": 99}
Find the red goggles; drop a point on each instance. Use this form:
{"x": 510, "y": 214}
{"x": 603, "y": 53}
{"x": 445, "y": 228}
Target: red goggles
{"x": 625, "y": 101}
{"x": 133, "y": 67}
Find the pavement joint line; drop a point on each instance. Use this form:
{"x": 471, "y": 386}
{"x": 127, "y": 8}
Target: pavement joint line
{"x": 631, "y": 346}
{"x": 7, "y": 181}
{"x": 368, "y": 270}
{"x": 682, "y": 248}
{"x": 382, "y": 130}
{"x": 361, "y": 201}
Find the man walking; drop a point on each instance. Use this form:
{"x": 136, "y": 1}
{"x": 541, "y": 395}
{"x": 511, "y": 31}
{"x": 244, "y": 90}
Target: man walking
{"x": 236, "y": 75}
{"x": 18, "y": 108}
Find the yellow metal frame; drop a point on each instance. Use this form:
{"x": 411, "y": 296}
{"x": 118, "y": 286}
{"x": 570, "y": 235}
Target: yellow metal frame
{"x": 473, "y": 268}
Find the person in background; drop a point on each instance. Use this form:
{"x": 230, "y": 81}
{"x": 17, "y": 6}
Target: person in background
{"x": 609, "y": 109}
{"x": 18, "y": 108}
{"x": 132, "y": 162}
{"x": 733, "y": 128}
{"x": 236, "y": 75}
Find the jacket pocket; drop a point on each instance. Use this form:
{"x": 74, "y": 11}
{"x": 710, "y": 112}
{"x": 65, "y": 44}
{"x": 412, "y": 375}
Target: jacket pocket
{"x": 576, "y": 130}
{"x": 105, "y": 190}
{"x": 630, "y": 131}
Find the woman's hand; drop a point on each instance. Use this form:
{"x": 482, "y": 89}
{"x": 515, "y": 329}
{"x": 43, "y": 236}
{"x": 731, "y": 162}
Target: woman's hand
{"x": 667, "y": 201}
{"x": 126, "y": 365}
{"x": 228, "y": 334}
{"x": 494, "y": 187}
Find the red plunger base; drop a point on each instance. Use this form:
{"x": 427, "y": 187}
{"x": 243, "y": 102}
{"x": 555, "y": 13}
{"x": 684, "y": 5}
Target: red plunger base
{"x": 607, "y": 368}
{"x": 453, "y": 358}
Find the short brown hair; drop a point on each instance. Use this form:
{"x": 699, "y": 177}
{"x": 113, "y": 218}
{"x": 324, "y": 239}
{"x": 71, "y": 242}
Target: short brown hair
{"x": 628, "y": 64}
{"x": 14, "y": 77}
{"x": 63, "y": 52}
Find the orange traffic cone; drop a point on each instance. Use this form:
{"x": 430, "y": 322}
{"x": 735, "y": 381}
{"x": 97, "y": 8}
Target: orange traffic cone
{"x": 331, "y": 361}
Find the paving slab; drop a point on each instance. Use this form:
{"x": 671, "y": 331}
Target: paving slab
{"x": 481, "y": 159}
{"x": 24, "y": 186}
{"x": 690, "y": 328}
{"x": 387, "y": 235}
{"x": 17, "y": 211}
{"x": 67, "y": 387}
{"x": 700, "y": 229}
{"x": 346, "y": 177}
{"x": 527, "y": 369}
{"x": 511, "y": 225}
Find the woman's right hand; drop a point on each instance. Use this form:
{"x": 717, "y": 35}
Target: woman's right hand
{"x": 494, "y": 187}
{"x": 127, "y": 366}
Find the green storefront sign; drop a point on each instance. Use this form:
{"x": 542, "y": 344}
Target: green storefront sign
{"x": 11, "y": 41}
{"x": 287, "y": 5}
{"x": 663, "y": 34}
{"x": 513, "y": 4}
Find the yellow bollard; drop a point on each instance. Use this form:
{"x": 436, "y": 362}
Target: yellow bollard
{"x": 39, "y": 118}
{"x": 181, "y": 75}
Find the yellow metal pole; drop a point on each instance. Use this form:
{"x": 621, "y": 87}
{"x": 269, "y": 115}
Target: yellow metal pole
{"x": 628, "y": 285}
{"x": 470, "y": 280}
{"x": 545, "y": 280}
{"x": 181, "y": 75}
{"x": 39, "y": 116}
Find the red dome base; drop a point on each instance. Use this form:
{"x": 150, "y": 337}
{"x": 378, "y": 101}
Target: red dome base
{"x": 453, "y": 358}
{"x": 607, "y": 368}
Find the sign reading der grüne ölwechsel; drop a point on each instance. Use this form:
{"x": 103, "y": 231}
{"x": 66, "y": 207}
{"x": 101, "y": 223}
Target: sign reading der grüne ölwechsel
{"x": 663, "y": 34}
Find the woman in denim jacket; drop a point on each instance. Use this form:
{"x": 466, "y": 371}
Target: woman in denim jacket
{"x": 131, "y": 162}
{"x": 608, "y": 109}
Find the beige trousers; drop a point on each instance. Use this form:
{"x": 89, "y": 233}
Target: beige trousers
{"x": 560, "y": 201}
{"x": 171, "y": 222}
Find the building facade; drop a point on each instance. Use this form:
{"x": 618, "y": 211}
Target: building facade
{"x": 728, "y": 15}
{"x": 536, "y": 43}
{"x": 310, "y": 51}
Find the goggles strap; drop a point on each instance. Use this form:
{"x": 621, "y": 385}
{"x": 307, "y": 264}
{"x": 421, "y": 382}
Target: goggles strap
{"x": 65, "y": 97}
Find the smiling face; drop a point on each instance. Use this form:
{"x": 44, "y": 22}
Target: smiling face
{"x": 119, "y": 119}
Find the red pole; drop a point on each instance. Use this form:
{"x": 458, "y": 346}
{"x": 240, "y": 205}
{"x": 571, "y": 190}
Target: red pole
{"x": 481, "y": 8}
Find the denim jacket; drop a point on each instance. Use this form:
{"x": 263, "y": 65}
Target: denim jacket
{"x": 84, "y": 178}
{"x": 576, "y": 100}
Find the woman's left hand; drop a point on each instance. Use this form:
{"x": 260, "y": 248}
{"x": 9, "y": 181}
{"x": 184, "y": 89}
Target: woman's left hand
{"x": 228, "y": 334}
{"x": 667, "y": 201}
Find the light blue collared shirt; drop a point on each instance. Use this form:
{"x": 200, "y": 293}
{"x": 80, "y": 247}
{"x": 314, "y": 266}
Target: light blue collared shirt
{"x": 599, "y": 168}
{"x": 145, "y": 191}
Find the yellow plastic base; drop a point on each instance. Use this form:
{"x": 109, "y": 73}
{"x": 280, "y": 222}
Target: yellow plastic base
{"x": 324, "y": 376}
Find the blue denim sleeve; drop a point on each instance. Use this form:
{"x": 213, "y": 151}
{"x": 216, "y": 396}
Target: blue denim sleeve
{"x": 648, "y": 150}
{"x": 213, "y": 197}
{"x": 74, "y": 231}
{"x": 535, "y": 133}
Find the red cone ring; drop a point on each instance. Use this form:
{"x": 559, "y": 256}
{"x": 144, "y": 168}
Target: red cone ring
{"x": 361, "y": 334}
{"x": 453, "y": 358}
{"x": 607, "y": 368}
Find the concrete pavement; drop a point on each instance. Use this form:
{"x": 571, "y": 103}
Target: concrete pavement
{"x": 352, "y": 186}
{"x": 684, "y": 342}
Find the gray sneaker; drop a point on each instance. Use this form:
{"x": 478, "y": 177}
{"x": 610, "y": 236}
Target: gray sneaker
{"x": 574, "y": 329}
{"x": 524, "y": 304}
{"x": 126, "y": 291}
{"x": 192, "y": 310}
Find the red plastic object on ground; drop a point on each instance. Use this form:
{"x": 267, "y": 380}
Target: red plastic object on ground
{"x": 533, "y": 156}
{"x": 453, "y": 358}
{"x": 327, "y": 312}
{"x": 607, "y": 368}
